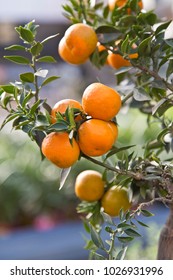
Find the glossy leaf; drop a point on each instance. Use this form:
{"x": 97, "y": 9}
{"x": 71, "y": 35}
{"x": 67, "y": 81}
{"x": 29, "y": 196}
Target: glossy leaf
{"x": 46, "y": 59}
{"x": 96, "y": 238}
{"x": 63, "y": 176}
{"x": 15, "y": 48}
{"x": 36, "y": 49}
{"x": 49, "y": 38}
{"x": 132, "y": 232}
{"x": 146, "y": 213}
{"x": 121, "y": 254}
{"x": 8, "y": 88}
{"x": 26, "y": 34}
{"x": 27, "y": 77}
{"x": 49, "y": 80}
{"x": 124, "y": 239}
{"x": 17, "y": 59}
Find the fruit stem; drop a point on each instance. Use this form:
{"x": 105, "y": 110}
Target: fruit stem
{"x": 114, "y": 169}
{"x": 128, "y": 96}
{"x": 110, "y": 251}
{"x": 35, "y": 79}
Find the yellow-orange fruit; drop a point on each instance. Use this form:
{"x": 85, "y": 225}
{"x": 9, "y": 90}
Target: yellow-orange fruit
{"x": 96, "y": 137}
{"x": 89, "y": 185}
{"x": 61, "y": 107}
{"x": 115, "y": 199}
{"x": 78, "y": 43}
{"x": 57, "y": 148}
{"x": 101, "y": 102}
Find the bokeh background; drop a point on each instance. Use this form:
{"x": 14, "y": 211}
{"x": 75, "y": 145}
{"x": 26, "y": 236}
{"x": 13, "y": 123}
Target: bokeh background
{"x": 37, "y": 220}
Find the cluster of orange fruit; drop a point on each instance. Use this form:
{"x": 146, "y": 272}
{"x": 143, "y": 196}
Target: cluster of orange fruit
{"x": 121, "y": 3}
{"x": 80, "y": 41}
{"x": 90, "y": 187}
{"x": 96, "y": 132}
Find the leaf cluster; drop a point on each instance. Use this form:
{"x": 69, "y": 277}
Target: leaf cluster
{"x": 120, "y": 232}
{"x": 21, "y": 98}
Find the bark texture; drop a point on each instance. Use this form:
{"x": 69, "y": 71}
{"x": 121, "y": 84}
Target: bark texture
{"x": 165, "y": 246}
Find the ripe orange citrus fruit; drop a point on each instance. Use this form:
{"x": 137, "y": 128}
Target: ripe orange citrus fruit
{"x": 96, "y": 137}
{"x": 89, "y": 185}
{"x": 57, "y": 148}
{"x": 115, "y": 199}
{"x": 101, "y": 102}
{"x": 120, "y": 4}
{"x": 78, "y": 43}
{"x": 114, "y": 129}
{"x": 61, "y": 107}
{"x": 117, "y": 61}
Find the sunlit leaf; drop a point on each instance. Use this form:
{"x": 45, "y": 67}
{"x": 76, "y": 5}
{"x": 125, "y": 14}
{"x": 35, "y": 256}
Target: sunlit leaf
{"x": 63, "y": 176}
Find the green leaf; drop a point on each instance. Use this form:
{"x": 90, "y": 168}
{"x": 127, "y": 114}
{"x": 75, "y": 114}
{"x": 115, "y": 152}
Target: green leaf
{"x": 142, "y": 224}
{"x": 96, "y": 238}
{"x": 49, "y": 38}
{"x": 63, "y": 176}
{"x": 162, "y": 27}
{"x": 107, "y": 33}
{"x": 47, "y": 59}
{"x": 9, "y": 118}
{"x": 132, "y": 232}
{"x": 59, "y": 126}
{"x": 146, "y": 213}
{"x": 26, "y": 35}
{"x": 36, "y": 49}
{"x": 27, "y": 77}
{"x": 17, "y": 59}
{"x": 106, "y": 12}
{"x": 26, "y": 99}
{"x": 169, "y": 70}
{"x": 121, "y": 254}
{"x": 98, "y": 256}
{"x": 141, "y": 95}
{"x": 39, "y": 136}
{"x": 36, "y": 106}
{"x": 125, "y": 239}
{"x": 169, "y": 42}
{"x": 144, "y": 46}
{"x": 107, "y": 219}
{"x": 162, "y": 134}
{"x": 49, "y": 80}
{"x": 15, "y": 48}
{"x": 125, "y": 44}
{"x": 41, "y": 121}
{"x": 123, "y": 226}
{"x": 161, "y": 107}
{"x": 8, "y": 88}
{"x": 115, "y": 150}
{"x": 122, "y": 70}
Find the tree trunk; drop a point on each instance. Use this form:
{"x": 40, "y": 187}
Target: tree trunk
{"x": 165, "y": 246}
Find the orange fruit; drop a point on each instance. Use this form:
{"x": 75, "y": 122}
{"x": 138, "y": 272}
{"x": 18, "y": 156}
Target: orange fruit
{"x": 89, "y": 185}
{"x": 133, "y": 55}
{"x": 57, "y": 148}
{"x": 120, "y": 4}
{"x": 61, "y": 107}
{"x": 78, "y": 43}
{"x": 100, "y": 47}
{"x": 96, "y": 137}
{"x": 101, "y": 102}
{"x": 117, "y": 61}
{"x": 115, "y": 199}
{"x": 114, "y": 129}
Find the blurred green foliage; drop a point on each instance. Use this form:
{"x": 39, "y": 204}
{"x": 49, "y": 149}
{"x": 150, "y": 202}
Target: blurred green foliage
{"x": 29, "y": 187}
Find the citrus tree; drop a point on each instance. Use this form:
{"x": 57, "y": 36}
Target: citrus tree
{"x": 139, "y": 47}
